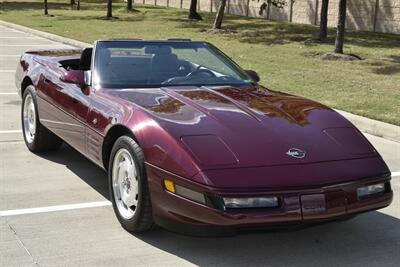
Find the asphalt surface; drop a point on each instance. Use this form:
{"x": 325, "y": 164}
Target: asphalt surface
{"x": 84, "y": 235}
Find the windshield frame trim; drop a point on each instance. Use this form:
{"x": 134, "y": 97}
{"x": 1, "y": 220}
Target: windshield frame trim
{"x": 231, "y": 63}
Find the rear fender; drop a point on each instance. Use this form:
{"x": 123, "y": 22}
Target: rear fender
{"x": 27, "y": 73}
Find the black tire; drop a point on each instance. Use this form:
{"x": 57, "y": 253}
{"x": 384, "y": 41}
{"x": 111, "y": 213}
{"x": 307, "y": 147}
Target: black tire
{"x": 142, "y": 219}
{"x": 43, "y": 139}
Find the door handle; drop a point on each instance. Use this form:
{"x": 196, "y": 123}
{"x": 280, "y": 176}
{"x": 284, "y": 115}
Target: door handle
{"x": 74, "y": 100}
{"x": 46, "y": 80}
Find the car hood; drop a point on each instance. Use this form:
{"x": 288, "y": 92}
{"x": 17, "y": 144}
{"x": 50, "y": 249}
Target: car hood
{"x": 231, "y": 127}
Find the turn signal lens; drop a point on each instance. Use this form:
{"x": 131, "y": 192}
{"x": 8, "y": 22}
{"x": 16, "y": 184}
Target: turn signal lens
{"x": 184, "y": 192}
{"x": 169, "y": 185}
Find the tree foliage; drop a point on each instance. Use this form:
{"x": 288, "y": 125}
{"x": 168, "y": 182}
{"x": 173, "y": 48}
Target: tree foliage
{"x": 265, "y": 6}
{"x": 278, "y": 3}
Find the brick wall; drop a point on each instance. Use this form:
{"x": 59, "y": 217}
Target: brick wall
{"x": 366, "y": 15}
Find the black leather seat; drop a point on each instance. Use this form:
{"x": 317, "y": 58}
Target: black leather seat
{"x": 86, "y": 59}
{"x": 164, "y": 65}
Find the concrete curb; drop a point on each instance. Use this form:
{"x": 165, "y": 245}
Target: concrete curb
{"x": 46, "y": 35}
{"x": 366, "y": 125}
{"x": 374, "y": 127}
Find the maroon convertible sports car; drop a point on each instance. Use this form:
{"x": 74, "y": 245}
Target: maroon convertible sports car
{"x": 191, "y": 142}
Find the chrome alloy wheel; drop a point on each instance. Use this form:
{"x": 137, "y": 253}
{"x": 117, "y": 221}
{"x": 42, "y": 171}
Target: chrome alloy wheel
{"x": 29, "y": 117}
{"x": 125, "y": 183}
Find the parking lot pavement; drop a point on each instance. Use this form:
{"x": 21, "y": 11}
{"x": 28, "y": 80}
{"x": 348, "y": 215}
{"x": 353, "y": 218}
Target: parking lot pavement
{"x": 91, "y": 236}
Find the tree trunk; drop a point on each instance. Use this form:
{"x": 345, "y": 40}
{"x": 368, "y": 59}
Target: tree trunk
{"x": 129, "y": 5}
{"x": 46, "y": 10}
{"x": 323, "y": 25}
{"x": 193, "y": 11}
{"x": 78, "y": 7}
{"x": 291, "y": 10}
{"x": 109, "y": 8}
{"x": 220, "y": 15}
{"x": 268, "y": 8}
{"x": 341, "y": 27}
{"x": 72, "y": 3}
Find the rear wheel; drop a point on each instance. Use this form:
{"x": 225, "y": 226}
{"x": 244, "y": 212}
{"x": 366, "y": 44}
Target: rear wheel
{"x": 37, "y": 137}
{"x": 128, "y": 186}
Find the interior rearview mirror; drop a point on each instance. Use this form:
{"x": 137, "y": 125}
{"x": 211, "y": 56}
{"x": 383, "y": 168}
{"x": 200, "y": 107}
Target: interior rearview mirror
{"x": 253, "y": 75}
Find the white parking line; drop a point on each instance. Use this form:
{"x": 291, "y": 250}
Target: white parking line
{"x": 6, "y": 213}
{"x": 13, "y": 45}
{"x": 9, "y": 93}
{"x": 7, "y": 71}
{"x": 19, "y": 37}
{"x": 12, "y": 142}
{"x": 10, "y": 131}
{"x": 395, "y": 174}
{"x": 10, "y": 55}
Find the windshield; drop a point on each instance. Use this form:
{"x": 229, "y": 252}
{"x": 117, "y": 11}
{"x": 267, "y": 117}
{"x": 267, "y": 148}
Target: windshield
{"x": 121, "y": 64}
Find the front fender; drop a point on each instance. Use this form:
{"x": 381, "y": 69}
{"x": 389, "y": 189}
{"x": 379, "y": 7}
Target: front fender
{"x": 160, "y": 148}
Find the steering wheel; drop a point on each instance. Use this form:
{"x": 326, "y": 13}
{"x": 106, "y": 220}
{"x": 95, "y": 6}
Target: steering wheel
{"x": 200, "y": 70}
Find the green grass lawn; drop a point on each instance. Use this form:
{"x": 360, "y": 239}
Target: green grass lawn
{"x": 276, "y": 50}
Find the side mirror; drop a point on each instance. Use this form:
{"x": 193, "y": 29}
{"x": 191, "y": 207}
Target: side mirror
{"x": 253, "y": 75}
{"x": 75, "y": 77}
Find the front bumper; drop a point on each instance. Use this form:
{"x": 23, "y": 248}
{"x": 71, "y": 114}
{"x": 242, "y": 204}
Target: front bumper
{"x": 297, "y": 206}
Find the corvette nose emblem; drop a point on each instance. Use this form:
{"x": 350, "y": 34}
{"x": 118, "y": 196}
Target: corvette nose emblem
{"x": 296, "y": 153}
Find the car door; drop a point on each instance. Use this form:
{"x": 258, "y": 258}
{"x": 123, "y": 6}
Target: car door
{"x": 63, "y": 109}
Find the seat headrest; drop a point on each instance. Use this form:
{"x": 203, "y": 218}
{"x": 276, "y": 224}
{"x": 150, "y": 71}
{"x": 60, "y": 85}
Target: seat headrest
{"x": 158, "y": 50}
{"x": 86, "y": 59}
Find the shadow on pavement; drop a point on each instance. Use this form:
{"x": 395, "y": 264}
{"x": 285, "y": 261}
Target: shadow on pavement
{"x": 371, "y": 239}
{"x": 80, "y": 166}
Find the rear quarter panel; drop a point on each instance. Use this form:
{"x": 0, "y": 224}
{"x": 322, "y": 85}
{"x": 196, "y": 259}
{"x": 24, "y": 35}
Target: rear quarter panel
{"x": 34, "y": 62}
{"x": 26, "y": 68}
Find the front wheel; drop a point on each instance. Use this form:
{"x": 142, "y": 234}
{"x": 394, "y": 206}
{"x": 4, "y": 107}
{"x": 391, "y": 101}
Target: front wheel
{"x": 37, "y": 137}
{"x": 128, "y": 186}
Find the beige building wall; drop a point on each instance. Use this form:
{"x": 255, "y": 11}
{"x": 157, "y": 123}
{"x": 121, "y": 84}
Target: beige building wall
{"x": 237, "y": 7}
{"x": 175, "y": 3}
{"x": 389, "y": 16}
{"x": 304, "y": 11}
{"x": 149, "y": 2}
{"x": 360, "y": 14}
{"x": 161, "y": 2}
{"x": 366, "y": 15}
